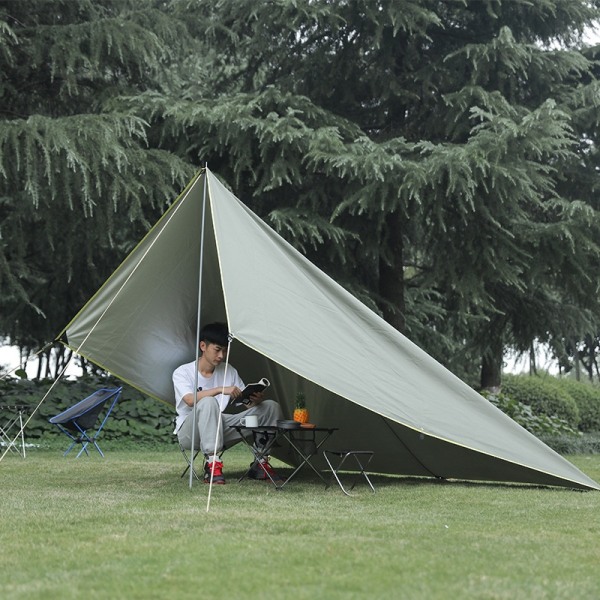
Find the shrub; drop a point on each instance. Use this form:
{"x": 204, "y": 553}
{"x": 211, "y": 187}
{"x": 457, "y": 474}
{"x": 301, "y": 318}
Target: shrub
{"x": 588, "y": 443}
{"x": 540, "y": 425}
{"x": 543, "y": 395}
{"x": 587, "y": 398}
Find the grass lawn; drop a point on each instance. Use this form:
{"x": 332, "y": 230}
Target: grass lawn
{"x": 128, "y": 526}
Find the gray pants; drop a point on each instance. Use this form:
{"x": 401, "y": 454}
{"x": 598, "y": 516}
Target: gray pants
{"x": 207, "y": 419}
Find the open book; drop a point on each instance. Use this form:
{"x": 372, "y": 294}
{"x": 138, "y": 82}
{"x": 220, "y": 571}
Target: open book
{"x": 252, "y": 388}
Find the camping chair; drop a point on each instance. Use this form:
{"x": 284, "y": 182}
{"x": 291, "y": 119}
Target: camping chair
{"x": 83, "y": 416}
{"x": 185, "y": 451}
{"x": 187, "y": 459}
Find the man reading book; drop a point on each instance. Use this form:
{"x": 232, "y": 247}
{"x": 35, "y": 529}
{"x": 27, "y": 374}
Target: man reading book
{"x": 217, "y": 389}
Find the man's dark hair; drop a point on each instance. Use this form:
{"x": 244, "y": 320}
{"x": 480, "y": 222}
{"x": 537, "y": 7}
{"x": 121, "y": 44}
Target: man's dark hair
{"x": 215, "y": 333}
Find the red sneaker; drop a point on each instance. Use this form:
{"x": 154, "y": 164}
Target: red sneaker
{"x": 262, "y": 470}
{"x": 217, "y": 472}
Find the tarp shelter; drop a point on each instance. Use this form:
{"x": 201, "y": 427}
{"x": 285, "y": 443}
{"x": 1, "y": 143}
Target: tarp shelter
{"x": 296, "y": 326}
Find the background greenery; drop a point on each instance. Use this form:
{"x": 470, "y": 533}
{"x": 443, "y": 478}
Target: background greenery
{"x": 551, "y": 408}
{"x": 438, "y": 159}
{"x": 136, "y": 419}
{"x": 548, "y": 407}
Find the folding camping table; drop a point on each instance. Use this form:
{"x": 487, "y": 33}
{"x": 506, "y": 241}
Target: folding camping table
{"x": 12, "y": 417}
{"x": 263, "y": 438}
{"x": 305, "y": 444}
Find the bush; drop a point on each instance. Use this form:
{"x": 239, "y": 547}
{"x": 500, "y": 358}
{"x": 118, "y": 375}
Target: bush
{"x": 585, "y": 443}
{"x": 587, "y": 398}
{"x": 540, "y": 425}
{"x": 136, "y": 417}
{"x": 543, "y": 395}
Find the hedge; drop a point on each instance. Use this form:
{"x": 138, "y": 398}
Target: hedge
{"x": 136, "y": 417}
{"x": 540, "y": 425}
{"x": 587, "y": 398}
{"x": 544, "y": 395}
{"x": 544, "y": 406}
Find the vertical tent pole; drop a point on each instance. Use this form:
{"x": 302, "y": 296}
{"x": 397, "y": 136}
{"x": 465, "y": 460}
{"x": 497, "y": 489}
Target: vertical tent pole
{"x": 199, "y": 310}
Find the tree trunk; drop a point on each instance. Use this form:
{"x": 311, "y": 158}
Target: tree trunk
{"x": 491, "y": 363}
{"x": 576, "y": 360}
{"x": 532, "y": 365}
{"x": 391, "y": 276}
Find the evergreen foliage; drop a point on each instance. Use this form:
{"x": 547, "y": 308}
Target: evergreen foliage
{"x": 438, "y": 159}
{"x": 435, "y": 134}
{"x": 78, "y": 180}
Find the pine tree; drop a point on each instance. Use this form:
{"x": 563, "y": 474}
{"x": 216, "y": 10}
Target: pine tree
{"x": 437, "y": 158}
{"x": 432, "y": 135}
{"x": 79, "y": 182}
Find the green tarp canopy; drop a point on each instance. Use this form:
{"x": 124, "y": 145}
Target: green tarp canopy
{"x": 296, "y": 326}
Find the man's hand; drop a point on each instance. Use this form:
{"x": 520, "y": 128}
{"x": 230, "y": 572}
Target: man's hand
{"x": 256, "y": 399}
{"x": 232, "y": 391}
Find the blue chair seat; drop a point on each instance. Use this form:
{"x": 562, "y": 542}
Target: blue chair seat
{"x": 79, "y": 422}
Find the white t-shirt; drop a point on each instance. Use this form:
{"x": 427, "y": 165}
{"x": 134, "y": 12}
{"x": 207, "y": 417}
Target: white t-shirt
{"x": 183, "y": 383}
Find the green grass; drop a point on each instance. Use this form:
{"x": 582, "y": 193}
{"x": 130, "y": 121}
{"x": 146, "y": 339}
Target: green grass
{"x": 128, "y": 526}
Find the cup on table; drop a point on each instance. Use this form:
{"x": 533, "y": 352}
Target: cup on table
{"x": 249, "y": 421}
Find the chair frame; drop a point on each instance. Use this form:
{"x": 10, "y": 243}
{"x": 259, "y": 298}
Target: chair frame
{"x": 67, "y": 421}
{"x": 185, "y": 452}
{"x": 187, "y": 459}
{"x": 15, "y": 414}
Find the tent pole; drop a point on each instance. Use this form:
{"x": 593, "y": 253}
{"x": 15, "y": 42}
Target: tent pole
{"x": 198, "y": 314}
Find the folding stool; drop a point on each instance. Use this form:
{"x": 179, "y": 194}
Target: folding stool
{"x": 362, "y": 459}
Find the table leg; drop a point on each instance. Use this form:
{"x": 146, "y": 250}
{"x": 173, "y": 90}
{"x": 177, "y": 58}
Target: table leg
{"x": 305, "y": 458}
{"x": 260, "y": 450}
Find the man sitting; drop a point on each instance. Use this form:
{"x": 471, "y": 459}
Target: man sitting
{"x": 218, "y": 388}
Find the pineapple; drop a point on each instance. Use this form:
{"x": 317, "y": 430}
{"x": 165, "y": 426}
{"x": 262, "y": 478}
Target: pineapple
{"x": 300, "y": 412}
